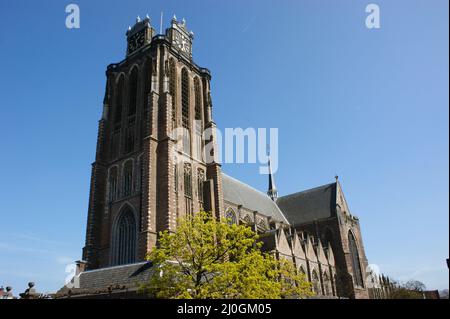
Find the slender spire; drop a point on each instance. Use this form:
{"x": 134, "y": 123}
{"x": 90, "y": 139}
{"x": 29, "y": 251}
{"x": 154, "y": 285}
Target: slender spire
{"x": 272, "y": 191}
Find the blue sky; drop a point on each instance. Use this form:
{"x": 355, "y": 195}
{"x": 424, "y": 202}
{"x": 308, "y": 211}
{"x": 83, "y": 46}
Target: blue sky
{"x": 368, "y": 105}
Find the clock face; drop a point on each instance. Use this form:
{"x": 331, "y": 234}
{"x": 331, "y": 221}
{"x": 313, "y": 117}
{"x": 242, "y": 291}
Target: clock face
{"x": 182, "y": 43}
{"x": 135, "y": 42}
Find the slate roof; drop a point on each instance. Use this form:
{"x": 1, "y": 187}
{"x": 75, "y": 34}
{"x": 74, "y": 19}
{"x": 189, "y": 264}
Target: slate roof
{"x": 131, "y": 275}
{"x": 311, "y": 204}
{"x": 239, "y": 193}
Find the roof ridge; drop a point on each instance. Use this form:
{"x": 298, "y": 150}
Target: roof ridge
{"x": 306, "y": 191}
{"x": 117, "y": 266}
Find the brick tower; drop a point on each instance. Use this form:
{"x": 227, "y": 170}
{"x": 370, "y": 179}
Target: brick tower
{"x": 150, "y": 166}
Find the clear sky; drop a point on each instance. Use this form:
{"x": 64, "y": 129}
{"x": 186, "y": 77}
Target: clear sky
{"x": 369, "y": 105}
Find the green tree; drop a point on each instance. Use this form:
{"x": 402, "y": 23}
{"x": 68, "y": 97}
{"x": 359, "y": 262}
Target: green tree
{"x": 210, "y": 258}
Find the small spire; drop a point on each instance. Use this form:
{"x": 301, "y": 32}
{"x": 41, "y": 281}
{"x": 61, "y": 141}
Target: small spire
{"x": 272, "y": 191}
{"x": 336, "y": 177}
{"x": 174, "y": 18}
{"x": 138, "y": 19}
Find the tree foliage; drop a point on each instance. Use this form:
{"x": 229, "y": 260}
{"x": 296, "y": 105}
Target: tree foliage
{"x": 412, "y": 289}
{"x": 210, "y": 258}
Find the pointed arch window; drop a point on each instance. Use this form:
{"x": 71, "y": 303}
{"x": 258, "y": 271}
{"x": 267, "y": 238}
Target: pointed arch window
{"x": 173, "y": 90}
{"x": 356, "y": 266}
{"x": 200, "y": 180}
{"x": 188, "y": 188}
{"x": 125, "y": 239}
{"x": 113, "y": 179}
{"x": 127, "y": 178}
{"x": 316, "y": 283}
{"x": 185, "y": 87}
{"x": 231, "y": 217}
{"x": 133, "y": 92}
{"x": 302, "y": 270}
{"x": 198, "y": 120}
{"x": 175, "y": 173}
{"x": 198, "y": 105}
{"x": 262, "y": 227}
{"x": 327, "y": 284}
{"x": 185, "y": 97}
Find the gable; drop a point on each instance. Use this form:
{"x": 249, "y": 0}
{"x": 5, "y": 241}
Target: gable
{"x": 282, "y": 243}
{"x": 321, "y": 254}
{"x": 297, "y": 247}
{"x": 310, "y": 253}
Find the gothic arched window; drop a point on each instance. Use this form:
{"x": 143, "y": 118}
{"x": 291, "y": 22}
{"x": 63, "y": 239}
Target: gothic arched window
{"x": 133, "y": 91}
{"x": 302, "y": 270}
{"x": 198, "y": 119}
{"x": 231, "y": 217}
{"x": 113, "y": 178}
{"x": 262, "y": 227}
{"x": 173, "y": 89}
{"x": 247, "y": 219}
{"x": 200, "y": 180}
{"x": 327, "y": 284}
{"x": 356, "y": 266}
{"x": 316, "y": 282}
{"x": 119, "y": 100}
{"x": 125, "y": 239}
{"x": 127, "y": 178}
{"x": 185, "y": 97}
{"x": 198, "y": 105}
{"x": 188, "y": 188}
{"x": 185, "y": 110}
{"x": 187, "y": 180}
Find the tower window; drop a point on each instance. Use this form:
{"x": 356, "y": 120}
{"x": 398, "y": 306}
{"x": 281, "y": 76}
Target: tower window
{"x": 112, "y": 194}
{"x": 188, "y": 189}
{"x": 198, "y": 106}
{"x": 198, "y": 120}
{"x": 125, "y": 239}
{"x": 173, "y": 90}
{"x": 200, "y": 180}
{"x": 187, "y": 180}
{"x": 185, "y": 111}
{"x": 185, "y": 97}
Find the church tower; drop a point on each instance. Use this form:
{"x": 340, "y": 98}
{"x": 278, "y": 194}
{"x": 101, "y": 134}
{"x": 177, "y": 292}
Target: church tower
{"x": 150, "y": 167}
